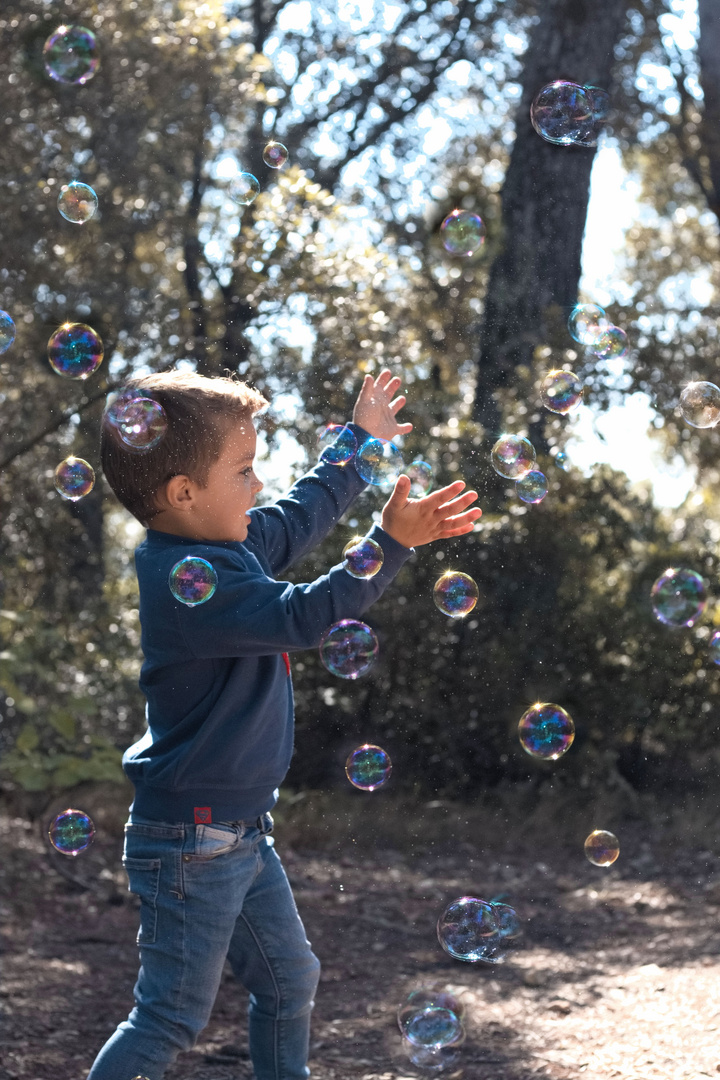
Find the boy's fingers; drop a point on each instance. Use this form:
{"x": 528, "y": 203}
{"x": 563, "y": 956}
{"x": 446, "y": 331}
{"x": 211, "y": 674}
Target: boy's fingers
{"x": 446, "y": 493}
{"x": 460, "y": 503}
{"x": 401, "y": 491}
{"x": 397, "y": 404}
{"x": 462, "y": 519}
{"x": 383, "y": 379}
{"x": 403, "y": 429}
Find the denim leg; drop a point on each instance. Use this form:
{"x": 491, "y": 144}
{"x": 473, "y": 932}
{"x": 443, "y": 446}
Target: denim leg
{"x": 271, "y": 956}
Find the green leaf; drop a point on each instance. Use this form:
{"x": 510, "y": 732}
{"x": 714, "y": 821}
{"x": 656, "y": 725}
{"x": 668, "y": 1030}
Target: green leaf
{"x": 63, "y": 722}
{"x": 28, "y": 738}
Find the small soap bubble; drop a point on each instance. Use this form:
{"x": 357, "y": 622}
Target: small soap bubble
{"x": 71, "y": 55}
{"x": 362, "y": 557}
{"x": 244, "y": 188}
{"x": 77, "y": 202}
{"x": 465, "y": 926}
{"x": 546, "y": 731}
{"x": 141, "y": 423}
{"x": 379, "y": 462}
{"x": 349, "y": 649}
{"x": 602, "y": 848}
{"x": 71, "y": 832}
{"x": 193, "y": 580}
{"x": 75, "y": 351}
{"x": 561, "y": 392}
{"x": 455, "y": 594}
{"x": 433, "y": 1027}
{"x": 74, "y": 478}
{"x": 562, "y": 113}
{"x": 420, "y": 474}
{"x": 700, "y": 404}
{"x": 7, "y": 331}
{"x": 678, "y": 597}
{"x": 562, "y": 461}
{"x": 532, "y": 487}
{"x": 368, "y": 767}
{"x": 275, "y": 154}
{"x": 507, "y": 920}
{"x": 462, "y": 233}
{"x": 337, "y": 443}
{"x": 611, "y": 344}
{"x": 714, "y": 648}
{"x": 512, "y": 456}
{"x": 587, "y": 322}
{"x": 424, "y": 997}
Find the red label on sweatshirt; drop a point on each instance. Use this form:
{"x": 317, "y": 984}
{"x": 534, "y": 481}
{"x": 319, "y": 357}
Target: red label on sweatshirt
{"x": 286, "y": 658}
{"x": 203, "y": 815}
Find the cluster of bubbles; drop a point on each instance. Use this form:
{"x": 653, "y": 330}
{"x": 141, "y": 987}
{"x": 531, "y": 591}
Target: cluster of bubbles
{"x": 589, "y": 325}
{"x": 513, "y": 458}
{"x": 473, "y": 930}
{"x": 568, "y": 114}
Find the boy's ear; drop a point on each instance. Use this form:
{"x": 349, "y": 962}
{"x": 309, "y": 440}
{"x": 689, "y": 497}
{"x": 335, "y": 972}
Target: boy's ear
{"x": 176, "y": 494}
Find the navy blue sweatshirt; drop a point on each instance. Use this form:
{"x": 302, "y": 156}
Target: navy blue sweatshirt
{"x": 219, "y": 695}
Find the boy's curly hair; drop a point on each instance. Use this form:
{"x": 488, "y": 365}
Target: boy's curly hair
{"x": 200, "y": 413}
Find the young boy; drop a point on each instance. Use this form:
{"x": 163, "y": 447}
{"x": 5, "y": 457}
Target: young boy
{"x": 220, "y": 713}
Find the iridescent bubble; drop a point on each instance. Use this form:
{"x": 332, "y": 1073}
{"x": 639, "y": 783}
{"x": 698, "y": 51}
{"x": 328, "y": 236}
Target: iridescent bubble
{"x": 368, "y": 767}
{"x": 7, "y": 331}
{"x": 75, "y": 351}
{"x": 455, "y": 594}
{"x": 561, "y": 392}
{"x": 462, "y": 233}
{"x": 74, "y": 478}
{"x": 275, "y": 154}
{"x": 420, "y": 474}
{"x": 512, "y": 456}
{"x": 507, "y": 920}
{"x": 337, "y": 443}
{"x": 379, "y": 462}
{"x": 71, "y": 832}
{"x": 600, "y": 106}
{"x": 700, "y": 404}
{"x": 611, "y": 344}
{"x": 562, "y": 113}
{"x": 433, "y": 1028}
{"x": 349, "y": 648}
{"x": 424, "y": 997}
{"x": 77, "y": 202}
{"x": 546, "y": 731}
{"x": 562, "y": 461}
{"x": 465, "y": 926}
{"x": 116, "y": 401}
{"x": 602, "y": 848}
{"x": 244, "y": 188}
{"x": 193, "y": 580}
{"x": 362, "y": 557}
{"x": 445, "y": 1057}
{"x": 587, "y": 322}
{"x": 70, "y": 55}
{"x": 678, "y": 597}
{"x": 714, "y": 648}
{"x": 141, "y": 423}
{"x": 532, "y": 487}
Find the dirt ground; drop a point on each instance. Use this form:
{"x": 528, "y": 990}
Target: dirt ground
{"x": 616, "y": 974}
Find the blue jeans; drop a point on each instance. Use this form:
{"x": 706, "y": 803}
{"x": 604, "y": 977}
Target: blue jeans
{"x": 207, "y": 893}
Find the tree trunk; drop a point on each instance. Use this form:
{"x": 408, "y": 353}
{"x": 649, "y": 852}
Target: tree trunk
{"x": 709, "y": 57}
{"x": 533, "y": 282}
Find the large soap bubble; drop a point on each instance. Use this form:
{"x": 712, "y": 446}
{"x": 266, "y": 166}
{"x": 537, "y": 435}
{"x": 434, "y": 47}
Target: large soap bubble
{"x": 678, "y": 597}
{"x": 379, "y": 462}
{"x": 349, "y": 648}
{"x": 7, "y": 331}
{"x": 433, "y": 1027}
{"x": 77, "y": 202}
{"x": 587, "y": 322}
{"x": 70, "y": 55}
{"x": 512, "y": 456}
{"x": 532, "y": 487}
{"x": 700, "y": 404}
{"x": 602, "y": 848}
{"x": 546, "y": 731}
{"x": 193, "y": 580}
{"x": 141, "y": 423}
{"x": 465, "y": 927}
{"x": 462, "y": 233}
{"x": 362, "y": 557}
{"x": 600, "y": 107}
{"x": 368, "y": 767}
{"x": 75, "y": 351}
{"x": 244, "y": 188}
{"x": 74, "y": 478}
{"x": 71, "y": 832}
{"x": 337, "y": 444}
{"x": 455, "y": 594}
{"x": 561, "y": 392}
{"x": 611, "y": 344}
{"x": 275, "y": 154}
{"x": 424, "y": 997}
{"x": 562, "y": 113}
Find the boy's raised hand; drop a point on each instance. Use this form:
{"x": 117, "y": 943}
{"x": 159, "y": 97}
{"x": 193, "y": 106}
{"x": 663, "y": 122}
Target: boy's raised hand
{"x": 413, "y": 522}
{"x": 375, "y": 410}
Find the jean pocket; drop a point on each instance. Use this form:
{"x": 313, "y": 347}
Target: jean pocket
{"x": 213, "y": 840}
{"x": 144, "y": 881}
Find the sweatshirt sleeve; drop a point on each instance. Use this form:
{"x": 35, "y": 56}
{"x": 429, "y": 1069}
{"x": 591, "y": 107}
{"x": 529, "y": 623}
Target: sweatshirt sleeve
{"x": 250, "y": 614}
{"x": 291, "y": 527}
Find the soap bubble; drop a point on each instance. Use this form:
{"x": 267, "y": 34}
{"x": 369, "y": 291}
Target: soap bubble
{"x": 70, "y": 55}
{"x": 421, "y": 475}
{"x": 75, "y": 351}
{"x": 7, "y": 331}
{"x": 337, "y": 444}
{"x": 462, "y": 233}
{"x": 71, "y": 832}
{"x": 562, "y": 461}
{"x": 368, "y": 767}
{"x": 532, "y": 487}
{"x": 714, "y": 648}
{"x": 445, "y": 1057}
{"x": 611, "y": 344}
{"x": 455, "y": 594}
{"x": 700, "y": 404}
{"x": 244, "y": 188}
{"x": 561, "y": 392}
{"x": 600, "y": 107}
{"x": 562, "y": 113}
{"x": 74, "y": 478}
{"x": 507, "y": 921}
{"x": 275, "y": 154}
{"x": 424, "y": 997}
{"x": 362, "y": 557}
{"x": 587, "y": 322}
{"x": 512, "y": 456}
{"x": 379, "y": 462}
{"x": 77, "y": 202}
{"x": 141, "y": 423}
{"x": 193, "y": 580}
{"x": 116, "y": 401}
{"x": 349, "y": 648}
{"x": 678, "y": 597}
{"x": 602, "y": 848}
{"x": 433, "y": 1028}
{"x": 546, "y": 731}
{"x": 465, "y": 926}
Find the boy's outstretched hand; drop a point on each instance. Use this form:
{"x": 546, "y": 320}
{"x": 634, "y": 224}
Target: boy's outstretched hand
{"x": 413, "y": 522}
{"x": 375, "y": 410}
